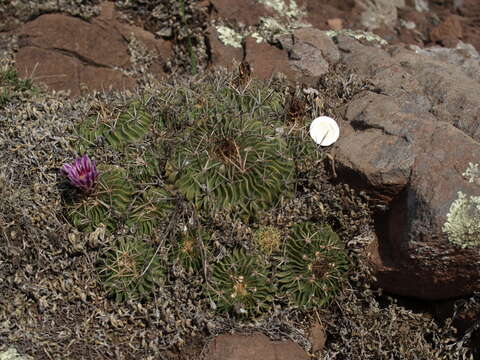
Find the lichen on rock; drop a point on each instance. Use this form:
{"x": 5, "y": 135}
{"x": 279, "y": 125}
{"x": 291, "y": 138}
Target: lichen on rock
{"x": 463, "y": 219}
{"x": 359, "y": 35}
{"x": 286, "y": 18}
{"x": 229, "y": 36}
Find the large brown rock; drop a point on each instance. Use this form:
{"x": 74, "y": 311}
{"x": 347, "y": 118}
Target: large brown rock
{"x": 448, "y": 32}
{"x": 60, "y": 71}
{"x": 267, "y": 60}
{"x": 253, "y": 347}
{"x": 408, "y": 144}
{"x": 67, "y": 53}
{"x": 246, "y": 12}
{"x": 89, "y": 42}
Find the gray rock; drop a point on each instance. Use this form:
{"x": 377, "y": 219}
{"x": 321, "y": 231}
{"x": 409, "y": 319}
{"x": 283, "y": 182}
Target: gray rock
{"x": 463, "y": 55}
{"x": 407, "y": 144}
{"x": 310, "y": 51}
{"x": 376, "y": 13}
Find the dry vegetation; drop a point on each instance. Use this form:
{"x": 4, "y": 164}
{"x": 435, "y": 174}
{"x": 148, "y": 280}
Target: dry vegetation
{"x": 54, "y": 305}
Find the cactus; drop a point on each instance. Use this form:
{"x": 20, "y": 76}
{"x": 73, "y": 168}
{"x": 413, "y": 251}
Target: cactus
{"x": 145, "y": 167}
{"x": 191, "y": 249}
{"x": 230, "y": 159}
{"x": 89, "y": 132}
{"x": 267, "y": 239}
{"x": 130, "y": 269}
{"x": 149, "y": 208}
{"x": 130, "y": 127}
{"x": 114, "y": 193}
{"x": 106, "y": 204}
{"x": 241, "y": 283}
{"x": 314, "y": 265}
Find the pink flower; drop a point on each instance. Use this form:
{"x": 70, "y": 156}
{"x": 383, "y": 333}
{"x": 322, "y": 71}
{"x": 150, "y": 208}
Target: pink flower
{"x": 82, "y": 173}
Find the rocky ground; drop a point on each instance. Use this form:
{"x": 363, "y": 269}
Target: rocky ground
{"x": 401, "y": 78}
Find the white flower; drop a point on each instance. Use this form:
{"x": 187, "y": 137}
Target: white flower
{"x": 324, "y": 130}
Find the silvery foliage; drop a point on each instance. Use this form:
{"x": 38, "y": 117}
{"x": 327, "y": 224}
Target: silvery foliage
{"x": 463, "y": 219}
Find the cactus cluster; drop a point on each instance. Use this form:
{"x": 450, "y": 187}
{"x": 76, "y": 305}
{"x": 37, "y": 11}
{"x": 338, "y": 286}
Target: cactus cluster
{"x": 130, "y": 127}
{"x": 230, "y": 164}
{"x": 222, "y": 152}
{"x": 147, "y": 210}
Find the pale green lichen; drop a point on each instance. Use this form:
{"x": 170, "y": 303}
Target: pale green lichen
{"x": 463, "y": 221}
{"x": 291, "y": 10}
{"x": 472, "y": 173}
{"x": 270, "y": 28}
{"x": 12, "y": 354}
{"x": 229, "y": 37}
{"x": 285, "y": 21}
{"x": 358, "y": 34}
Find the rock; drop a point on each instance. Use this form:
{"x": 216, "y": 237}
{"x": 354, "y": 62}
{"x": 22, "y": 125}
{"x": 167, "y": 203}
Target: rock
{"x": 442, "y": 88}
{"x": 310, "y": 51}
{"x": 90, "y": 43}
{"x": 308, "y": 60}
{"x": 246, "y": 12}
{"x": 463, "y": 55}
{"x": 335, "y": 24}
{"x": 253, "y": 347}
{"x": 376, "y": 13}
{"x": 318, "y": 40}
{"x": 96, "y": 78}
{"x": 221, "y": 54}
{"x": 63, "y": 72}
{"x": 320, "y": 12}
{"x": 421, "y": 5}
{"x": 267, "y": 60}
{"x": 317, "y": 337}
{"x": 67, "y": 53}
{"x": 407, "y": 144}
{"x": 448, "y": 32}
